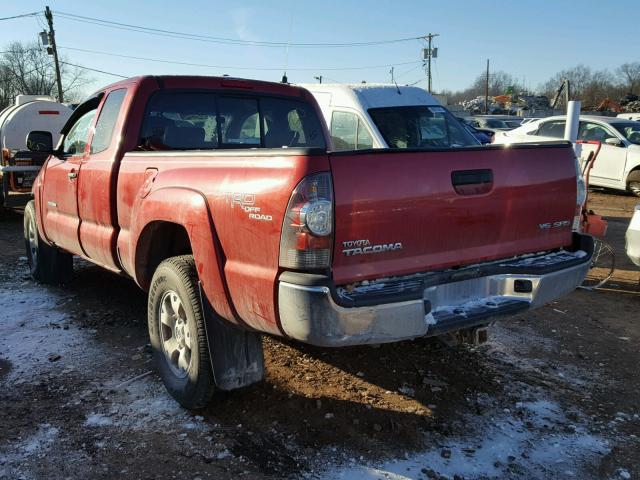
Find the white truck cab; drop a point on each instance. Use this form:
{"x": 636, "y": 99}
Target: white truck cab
{"x": 368, "y": 115}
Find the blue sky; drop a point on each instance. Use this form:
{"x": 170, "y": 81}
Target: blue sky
{"x": 531, "y": 40}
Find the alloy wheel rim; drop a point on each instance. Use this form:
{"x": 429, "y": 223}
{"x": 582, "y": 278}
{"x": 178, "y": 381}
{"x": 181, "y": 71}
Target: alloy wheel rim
{"x": 176, "y": 336}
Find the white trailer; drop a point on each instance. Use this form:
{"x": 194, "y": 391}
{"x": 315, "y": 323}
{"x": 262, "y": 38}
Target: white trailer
{"x": 21, "y": 162}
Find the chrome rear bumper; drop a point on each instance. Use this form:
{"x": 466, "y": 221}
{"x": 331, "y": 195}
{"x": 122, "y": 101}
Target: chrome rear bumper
{"x": 311, "y": 313}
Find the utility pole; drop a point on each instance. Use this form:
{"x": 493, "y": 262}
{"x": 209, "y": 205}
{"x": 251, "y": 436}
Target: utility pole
{"x": 319, "y": 78}
{"x": 486, "y": 91}
{"x": 54, "y": 51}
{"x": 392, "y": 78}
{"x": 428, "y": 54}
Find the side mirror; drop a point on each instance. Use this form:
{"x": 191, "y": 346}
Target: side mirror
{"x": 615, "y": 142}
{"x": 39, "y": 141}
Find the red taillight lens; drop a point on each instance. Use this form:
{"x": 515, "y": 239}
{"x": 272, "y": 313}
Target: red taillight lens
{"x": 307, "y": 230}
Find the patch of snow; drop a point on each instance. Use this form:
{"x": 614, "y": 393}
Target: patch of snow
{"x": 144, "y": 406}
{"x": 36, "y": 336}
{"x": 498, "y": 445}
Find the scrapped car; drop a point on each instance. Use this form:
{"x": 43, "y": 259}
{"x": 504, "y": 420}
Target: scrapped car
{"x": 495, "y": 123}
{"x": 222, "y": 199}
{"x": 633, "y": 237}
{"x": 618, "y": 164}
{"x": 362, "y": 116}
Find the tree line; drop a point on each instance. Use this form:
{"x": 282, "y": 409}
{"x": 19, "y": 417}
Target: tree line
{"x": 27, "y": 69}
{"x": 590, "y": 86}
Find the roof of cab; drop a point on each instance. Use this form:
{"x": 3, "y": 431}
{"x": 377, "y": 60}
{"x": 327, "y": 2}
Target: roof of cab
{"x": 195, "y": 81}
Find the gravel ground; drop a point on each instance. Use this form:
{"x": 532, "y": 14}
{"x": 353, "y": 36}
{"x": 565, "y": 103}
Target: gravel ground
{"x": 553, "y": 394}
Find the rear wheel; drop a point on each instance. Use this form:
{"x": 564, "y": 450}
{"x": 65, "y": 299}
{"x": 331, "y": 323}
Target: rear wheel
{"x": 177, "y": 332}
{"x": 634, "y": 187}
{"x": 47, "y": 263}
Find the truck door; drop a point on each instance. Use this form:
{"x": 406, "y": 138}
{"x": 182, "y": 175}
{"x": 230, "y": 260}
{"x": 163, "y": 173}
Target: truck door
{"x": 97, "y": 183}
{"x": 60, "y": 192}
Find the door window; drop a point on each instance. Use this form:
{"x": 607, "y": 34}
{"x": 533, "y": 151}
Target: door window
{"x": 590, "y": 132}
{"x": 107, "y": 121}
{"x": 76, "y": 140}
{"x": 348, "y": 132}
{"x": 553, "y": 129}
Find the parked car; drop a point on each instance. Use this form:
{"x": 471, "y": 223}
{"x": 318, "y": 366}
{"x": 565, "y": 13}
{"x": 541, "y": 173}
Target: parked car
{"x": 495, "y": 123}
{"x": 629, "y": 116}
{"x": 362, "y": 116}
{"x": 618, "y": 163}
{"x": 220, "y": 197}
{"x": 633, "y": 237}
{"x": 483, "y": 136}
{"x": 18, "y": 164}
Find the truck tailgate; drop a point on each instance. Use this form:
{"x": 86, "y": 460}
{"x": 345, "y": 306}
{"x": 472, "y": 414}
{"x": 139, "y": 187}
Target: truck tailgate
{"x": 399, "y": 212}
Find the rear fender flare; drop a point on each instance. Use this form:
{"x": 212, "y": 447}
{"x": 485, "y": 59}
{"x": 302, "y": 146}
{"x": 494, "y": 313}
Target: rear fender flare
{"x": 188, "y": 208}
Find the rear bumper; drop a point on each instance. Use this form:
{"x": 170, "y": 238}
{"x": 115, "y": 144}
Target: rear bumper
{"x": 314, "y": 311}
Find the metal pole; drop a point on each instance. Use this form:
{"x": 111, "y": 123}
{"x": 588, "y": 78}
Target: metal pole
{"x": 486, "y": 91}
{"x": 52, "y": 37}
{"x": 429, "y": 53}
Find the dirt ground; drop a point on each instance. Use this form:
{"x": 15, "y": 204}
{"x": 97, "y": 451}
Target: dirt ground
{"x": 553, "y": 394}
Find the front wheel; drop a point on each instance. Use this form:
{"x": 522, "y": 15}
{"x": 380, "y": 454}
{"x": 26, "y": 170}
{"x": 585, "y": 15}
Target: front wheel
{"x": 177, "y": 332}
{"x": 47, "y": 263}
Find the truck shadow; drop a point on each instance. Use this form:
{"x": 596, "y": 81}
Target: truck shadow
{"x": 358, "y": 398}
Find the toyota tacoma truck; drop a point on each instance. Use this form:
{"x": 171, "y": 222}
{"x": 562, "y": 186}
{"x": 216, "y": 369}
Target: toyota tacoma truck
{"x": 224, "y": 200}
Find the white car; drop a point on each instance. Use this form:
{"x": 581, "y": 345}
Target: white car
{"x": 618, "y": 163}
{"x": 633, "y": 237}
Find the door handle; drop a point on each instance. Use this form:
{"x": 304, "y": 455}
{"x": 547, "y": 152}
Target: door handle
{"x": 472, "y": 182}
{"x": 72, "y": 174}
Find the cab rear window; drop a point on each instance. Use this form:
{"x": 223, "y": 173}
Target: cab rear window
{"x": 178, "y": 120}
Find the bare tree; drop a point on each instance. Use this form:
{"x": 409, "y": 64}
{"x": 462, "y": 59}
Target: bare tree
{"x": 28, "y": 69}
{"x": 630, "y": 75}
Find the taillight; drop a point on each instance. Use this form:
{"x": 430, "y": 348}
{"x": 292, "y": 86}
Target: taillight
{"x": 307, "y": 230}
{"x": 581, "y": 197}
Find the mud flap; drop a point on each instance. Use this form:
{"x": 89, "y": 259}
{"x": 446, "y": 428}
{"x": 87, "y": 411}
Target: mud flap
{"x": 236, "y": 355}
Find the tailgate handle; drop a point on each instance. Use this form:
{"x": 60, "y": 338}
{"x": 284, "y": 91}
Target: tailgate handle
{"x": 472, "y": 182}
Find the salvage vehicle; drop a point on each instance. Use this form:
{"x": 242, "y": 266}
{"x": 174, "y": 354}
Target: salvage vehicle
{"x": 223, "y": 199}
{"x": 19, "y": 164}
{"x": 632, "y": 237}
{"x": 618, "y": 165}
{"x": 369, "y": 115}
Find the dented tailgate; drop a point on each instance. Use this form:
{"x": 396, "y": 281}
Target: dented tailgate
{"x": 399, "y": 212}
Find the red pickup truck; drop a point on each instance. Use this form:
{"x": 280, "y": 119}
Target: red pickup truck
{"x": 222, "y": 198}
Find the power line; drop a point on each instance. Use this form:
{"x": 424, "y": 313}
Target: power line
{"x": 94, "y": 70}
{"x": 223, "y": 40}
{"x": 20, "y": 16}
{"x": 229, "y": 67}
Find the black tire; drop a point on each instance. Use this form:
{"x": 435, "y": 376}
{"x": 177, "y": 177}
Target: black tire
{"x": 47, "y": 263}
{"x": 634, "y": 188}
{"x": 194, "y": 386}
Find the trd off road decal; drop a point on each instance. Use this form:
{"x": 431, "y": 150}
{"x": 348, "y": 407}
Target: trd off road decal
{"x": 247, "y": 202}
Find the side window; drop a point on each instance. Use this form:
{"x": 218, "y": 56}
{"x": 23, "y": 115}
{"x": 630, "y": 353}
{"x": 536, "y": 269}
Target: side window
{"x": 290, "y": 123}
{"x": 593, "y": 132}
{"x": 553, "y": 129}
{"x": 76, "y": 140}
{"x": 239, "y": 122}
{"x": 364, "y": 138}
{"x": 344, "y": 130}
{"x": 180, "y": 121}
{"x": 107, "y": 121}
